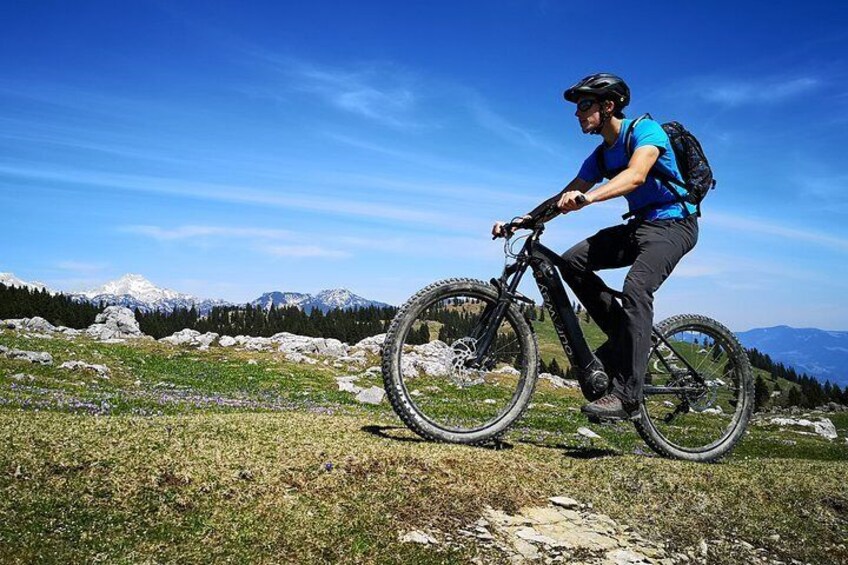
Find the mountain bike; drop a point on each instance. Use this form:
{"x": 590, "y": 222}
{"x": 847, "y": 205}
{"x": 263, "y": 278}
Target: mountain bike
{"x": 461, "y": 361}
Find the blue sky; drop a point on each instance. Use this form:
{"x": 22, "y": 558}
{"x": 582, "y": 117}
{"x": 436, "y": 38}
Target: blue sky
{"x": 232, "y": 148}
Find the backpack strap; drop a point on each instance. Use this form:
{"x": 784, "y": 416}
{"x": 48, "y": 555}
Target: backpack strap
{"x": 656, "y": 171}
{"x": 628, "y": 141}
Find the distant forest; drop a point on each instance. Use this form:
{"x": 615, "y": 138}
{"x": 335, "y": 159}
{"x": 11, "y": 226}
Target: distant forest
{"x": 349, "y": 326}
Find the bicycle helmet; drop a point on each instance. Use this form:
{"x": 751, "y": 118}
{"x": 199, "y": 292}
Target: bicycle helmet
{"x": 605, "y": 86}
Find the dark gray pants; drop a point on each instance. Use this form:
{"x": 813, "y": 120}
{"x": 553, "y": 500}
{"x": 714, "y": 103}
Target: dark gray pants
{"x": 653, "y": 248}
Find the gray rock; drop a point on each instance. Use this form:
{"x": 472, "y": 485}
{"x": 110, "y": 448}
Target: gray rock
{"x": 372, "y": 395}
{"x": 587, "y": 433}
{"x": 115, "y": 322}
{"x": 417, "y": 536}
{"x": 39, "y": 357}
{"x": 39, "y": 324}
{"x": 22, "y": 377}
{"x": 823, "y": 426}
{"x": 354, "y": 360}
{"x": 102, "y": 370}
{"x": 35, "y": 324}
{"x": 373, "y": 344}
{"x": 227, "y": 341}
{"x": 191, "y": 338}
{"x": 296, "y": 357}
{"x": 559, "y": 382}
{"x": 565, "y": 502}
{"x": 346, "y": 384}
{"x": 293, "y": 343}
{"x": 625, "y": 557}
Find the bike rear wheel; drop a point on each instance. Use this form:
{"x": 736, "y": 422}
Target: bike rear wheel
{"x": 698, "y": 392}
{"x": 429, "y": 369}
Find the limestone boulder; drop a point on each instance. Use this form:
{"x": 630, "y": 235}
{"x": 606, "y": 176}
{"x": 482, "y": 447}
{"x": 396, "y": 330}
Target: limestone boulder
{"x": 115, "y": 322}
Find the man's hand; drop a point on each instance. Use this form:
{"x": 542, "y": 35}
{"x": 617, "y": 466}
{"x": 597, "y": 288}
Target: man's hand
{"x": 568, "y": 202}
{"x": 499, "y": 229}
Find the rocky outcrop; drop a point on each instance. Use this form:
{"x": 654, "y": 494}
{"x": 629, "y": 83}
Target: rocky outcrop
{"x": 823, "y": 426}
{"x": 101, "y": 371}
{"x": 192, "y": 338}
{"x": 37, "y": 325}
{"x": 293, "y": 343}
{"x": 432, "y": 359}
{"x": 563, "y": 531}
{"x": 559, "y": 382}
{"x": 39, "y": 357}
{"x": 373, "y": 344}
{"x": 115, "y": 322}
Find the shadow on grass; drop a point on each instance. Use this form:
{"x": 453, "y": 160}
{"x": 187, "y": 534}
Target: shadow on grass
{"x": 400, "y": 433}
{"x": 574, "y": 451}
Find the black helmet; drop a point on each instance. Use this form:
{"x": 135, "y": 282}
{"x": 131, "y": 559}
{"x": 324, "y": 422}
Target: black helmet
{"x": 605, "y": 86}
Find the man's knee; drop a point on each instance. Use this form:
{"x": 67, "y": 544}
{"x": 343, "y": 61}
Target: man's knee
{"x": 574, "y": 261}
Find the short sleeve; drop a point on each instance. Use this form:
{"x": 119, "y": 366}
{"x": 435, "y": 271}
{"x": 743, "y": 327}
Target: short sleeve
{"x": 649, "y": 132}
{"x": 589, "y": 172}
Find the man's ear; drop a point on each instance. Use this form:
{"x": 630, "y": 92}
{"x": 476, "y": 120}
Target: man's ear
{"x": 609, "y": 106}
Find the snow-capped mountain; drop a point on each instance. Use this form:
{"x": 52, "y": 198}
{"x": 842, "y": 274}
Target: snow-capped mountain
{"x": 276, "y": 298}
{"x": 135, "y": 291}
{"x": 136, "y": 286}
{"x": 325, "y": 300}
{"x": 819, "y": 353}
{"x": 9, "y": 279}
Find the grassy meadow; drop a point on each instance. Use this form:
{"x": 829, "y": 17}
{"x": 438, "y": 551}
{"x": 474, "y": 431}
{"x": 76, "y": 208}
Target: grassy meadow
{"x": 240, "y": 456}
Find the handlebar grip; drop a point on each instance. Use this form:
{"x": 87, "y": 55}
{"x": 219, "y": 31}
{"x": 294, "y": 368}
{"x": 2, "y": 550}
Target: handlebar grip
{"x": 580, "y": 199}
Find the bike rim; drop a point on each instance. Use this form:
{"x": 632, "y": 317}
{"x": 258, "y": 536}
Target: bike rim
{"x": 694, "y": 414}
{"x": 439, "y": 379}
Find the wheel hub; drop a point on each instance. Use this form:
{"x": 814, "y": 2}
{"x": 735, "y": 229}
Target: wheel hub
{"x": 463, "y": 354}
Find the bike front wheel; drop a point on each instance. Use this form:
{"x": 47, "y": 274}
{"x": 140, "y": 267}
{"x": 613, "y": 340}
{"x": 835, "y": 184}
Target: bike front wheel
{"x": 698, "y": 391}
{"x": 438, "y": 379}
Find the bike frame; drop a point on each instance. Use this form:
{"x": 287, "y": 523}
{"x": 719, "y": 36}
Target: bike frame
{"x": 544, "y": 263}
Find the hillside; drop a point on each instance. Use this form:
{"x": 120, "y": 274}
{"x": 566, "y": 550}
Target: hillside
{"x": 818, "y": 353}
{"x": 232, "y": 454}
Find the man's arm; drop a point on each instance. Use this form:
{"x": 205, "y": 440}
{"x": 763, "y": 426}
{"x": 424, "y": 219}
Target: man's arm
{"x": 548, "y": 210}
{"x": 624, "y": 182}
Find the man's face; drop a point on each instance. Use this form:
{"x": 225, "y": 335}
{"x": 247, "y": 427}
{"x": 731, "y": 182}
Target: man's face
{"x": 590, "y": 116}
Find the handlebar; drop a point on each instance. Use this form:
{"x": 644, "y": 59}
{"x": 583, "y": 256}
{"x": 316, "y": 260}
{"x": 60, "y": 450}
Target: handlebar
{"x": 510, "y": 227}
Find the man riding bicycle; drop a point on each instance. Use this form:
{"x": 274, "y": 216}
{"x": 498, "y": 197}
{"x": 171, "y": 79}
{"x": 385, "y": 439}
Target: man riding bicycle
{"x": 663, "y": 228}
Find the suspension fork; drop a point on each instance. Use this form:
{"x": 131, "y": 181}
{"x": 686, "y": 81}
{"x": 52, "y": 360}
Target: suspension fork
{"x": 492, "y": 320}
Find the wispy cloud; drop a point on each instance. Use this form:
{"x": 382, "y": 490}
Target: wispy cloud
{"x": 193, "y": 231}
{"x": 505, "y": 129}
{"x": 277, "y": 196}
{"x": 274, "y": 242}
{"x": 768, "y": 91}
{"x": 752, "y": 225}
{"x": 381, "y": 93}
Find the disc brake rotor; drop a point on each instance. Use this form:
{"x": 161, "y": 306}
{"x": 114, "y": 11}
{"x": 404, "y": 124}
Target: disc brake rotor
{"x": 702, "y": 399}
{"x": 463, "y": 352}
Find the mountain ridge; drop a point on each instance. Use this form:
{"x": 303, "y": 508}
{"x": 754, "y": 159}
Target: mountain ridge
{"x": 822, "y": 354}
{"x": 135, "y": 291}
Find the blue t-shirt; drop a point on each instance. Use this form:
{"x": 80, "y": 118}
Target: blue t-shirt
{"x": 646, "y": 132}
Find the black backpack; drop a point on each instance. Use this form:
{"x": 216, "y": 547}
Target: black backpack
{"x": 693, "y": 165}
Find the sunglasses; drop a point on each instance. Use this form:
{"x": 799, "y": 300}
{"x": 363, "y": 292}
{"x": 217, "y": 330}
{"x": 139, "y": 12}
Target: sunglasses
{"x": 585, "y": 104}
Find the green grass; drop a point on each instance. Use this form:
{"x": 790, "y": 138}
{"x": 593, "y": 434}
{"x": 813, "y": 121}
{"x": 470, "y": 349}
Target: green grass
{"x": 200, "y": 456}
{"x": 550, "y": 346}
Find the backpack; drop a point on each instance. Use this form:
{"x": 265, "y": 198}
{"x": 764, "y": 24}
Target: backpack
{"x": 693, "y": 165}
